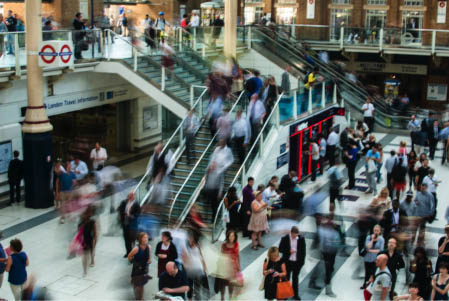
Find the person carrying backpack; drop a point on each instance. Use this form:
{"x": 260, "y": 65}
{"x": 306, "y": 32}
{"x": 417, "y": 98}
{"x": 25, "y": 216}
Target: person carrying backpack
{"x": 398, "y": 177}
{"x": 380, "y": 284}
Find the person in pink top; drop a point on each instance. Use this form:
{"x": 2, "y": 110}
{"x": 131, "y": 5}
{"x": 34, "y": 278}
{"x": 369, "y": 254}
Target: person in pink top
{"x": 402, "y": 149}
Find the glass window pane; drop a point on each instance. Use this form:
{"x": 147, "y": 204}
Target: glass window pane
{"x": 341, "y": 1}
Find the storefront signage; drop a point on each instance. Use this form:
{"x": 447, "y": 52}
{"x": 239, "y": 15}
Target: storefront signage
{"x": 73, "y": 102}
{"x": 304, "y": 124}
{"x": 437, "y": 92}
{"x": 310, "y": 9}
{"x": 441, "y": 13}
{"x": 390, "y": 68}
{"x": 5, "y": 156}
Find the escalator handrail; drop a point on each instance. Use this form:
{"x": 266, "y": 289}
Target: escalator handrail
{"x": 237, "y": 175}
{"x": 321, "y": 65}
{"x": 165, "y": 148}
{"x": 195, "y": 194}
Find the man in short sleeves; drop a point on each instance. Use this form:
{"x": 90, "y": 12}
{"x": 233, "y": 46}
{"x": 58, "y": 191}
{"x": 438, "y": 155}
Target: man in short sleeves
{"x": 380, "y": 287}
{"x": 368, "y": 114}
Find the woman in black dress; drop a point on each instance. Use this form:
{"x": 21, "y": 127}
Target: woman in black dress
{"x": 165, "y": 252}
{"x": 273, "y": 270}
{"x": 140, "y": 258}
{"x": 421, "y": 266}
{"x": 232, "y": 202}
{"x": 89, "y": 231}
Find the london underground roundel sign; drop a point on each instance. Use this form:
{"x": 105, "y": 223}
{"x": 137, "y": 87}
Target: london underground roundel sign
{"x": 65, "y": 54}
{"x": 48, "y": 54}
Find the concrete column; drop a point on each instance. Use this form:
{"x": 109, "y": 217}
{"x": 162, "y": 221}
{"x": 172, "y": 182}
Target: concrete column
{"x": 230, "y": 24}
{"x": 36, "y": 120}
{"x": 37, "y": 142}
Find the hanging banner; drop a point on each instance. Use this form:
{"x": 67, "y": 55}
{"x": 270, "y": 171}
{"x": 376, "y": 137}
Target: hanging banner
{"x": 441, "y": 14}
{"x": 310, "y": 9}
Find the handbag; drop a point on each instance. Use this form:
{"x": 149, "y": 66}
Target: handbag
{"x": 284, "y": 290}
{"x": 76, "y": 247}
{"x": 262, "y": 284}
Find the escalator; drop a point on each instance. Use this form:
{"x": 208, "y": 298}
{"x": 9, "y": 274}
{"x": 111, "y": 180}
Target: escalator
{"x": 277, "y": 47}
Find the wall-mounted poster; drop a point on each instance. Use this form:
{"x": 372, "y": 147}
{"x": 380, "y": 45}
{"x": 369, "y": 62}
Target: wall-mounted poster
{"x": 5, "y": 155}
{"x": 150, "y": 118}
{"x": 311, "y": 9}
{"x": 437, "y": 92}
{"x": 441, "y": 13}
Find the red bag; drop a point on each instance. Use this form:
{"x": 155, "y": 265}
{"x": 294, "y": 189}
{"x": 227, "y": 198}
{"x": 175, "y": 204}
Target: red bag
{"x": 76, "y": 247}
{"x": 367, "y": 294}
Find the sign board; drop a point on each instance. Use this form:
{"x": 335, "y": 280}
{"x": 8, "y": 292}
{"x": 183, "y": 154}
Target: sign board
{"x": 282, "y": 160}
{"x": 441, "y": 12}
{"x": 150, "y": 118}
{"x": 5, "y": 156}
{"x": 283, "y": 148}
{"x": 437, "y": 92}
{"x": 311, "y": 9}
{"x": 390, "y": 68}
{"x": 84, "y": 9}
{"x": 55, "y": 53}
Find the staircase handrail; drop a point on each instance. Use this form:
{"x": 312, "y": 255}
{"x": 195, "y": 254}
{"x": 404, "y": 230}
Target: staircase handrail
{"x": 166, "y": 146}
{"x": 197, "y": 164}
{"x": 275, "y": 110}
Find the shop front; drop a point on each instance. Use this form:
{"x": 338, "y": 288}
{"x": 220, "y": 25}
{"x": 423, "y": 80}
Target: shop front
{"x": 303, "y": 133}
{"x": 253, "y": 11}
{"x": 286, "y": 12}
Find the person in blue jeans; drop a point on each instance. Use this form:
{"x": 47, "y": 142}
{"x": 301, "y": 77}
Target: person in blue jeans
{"x": 16, "y": 267}
{"x": 372, "y": 160}
{"x": 3, "y": 260}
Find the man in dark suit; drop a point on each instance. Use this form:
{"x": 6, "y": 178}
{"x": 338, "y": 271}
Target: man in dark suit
{"x": 293, "y": 250}
{"x": 434, "y": 132}
{"x": 15, "y": 176}
{"x": 129, "y": 211}
{"x": 393, "y": 219}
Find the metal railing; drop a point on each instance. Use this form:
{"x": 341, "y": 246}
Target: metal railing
{"x": 177, "y": 134}
{"x": 197, "y": 190}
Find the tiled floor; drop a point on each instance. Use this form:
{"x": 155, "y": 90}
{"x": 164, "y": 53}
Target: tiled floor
{"x": 47, "y": 244}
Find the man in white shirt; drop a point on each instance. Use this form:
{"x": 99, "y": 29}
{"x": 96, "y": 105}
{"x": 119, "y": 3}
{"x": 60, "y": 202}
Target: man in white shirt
{"x": 368, "y": 114}
{"x": 269, "y": 195}
{"x": 414, "y": 127}
{"x": 194, "y": 20}
{"x": 256, "y": 113}
{"x": 224, "y": 126}
{"x": 240, "y": 135}
{"x": 79, "y": 168}
{"x": 220, "y": 161}
{"x": 146, "y": 22}
{"x": 332, "y": 141}
{"x": 389, "y": 164}
{"x": 315, "y": 154}
{"x": 432, "y": 184}
{"x": 191, "y": 125}
{"x": 98, "y": 156}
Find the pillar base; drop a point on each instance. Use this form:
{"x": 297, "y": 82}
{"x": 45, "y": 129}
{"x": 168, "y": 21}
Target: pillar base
{"x": 38, "y": 162}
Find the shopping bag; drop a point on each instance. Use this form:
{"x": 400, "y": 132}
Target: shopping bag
{"x": 76, "y": 247}
{"x": 284, "y": 290}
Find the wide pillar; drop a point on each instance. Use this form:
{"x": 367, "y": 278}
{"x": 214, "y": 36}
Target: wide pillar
{"x": 230, "y": 24}
{"x": 37, "y": 143}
